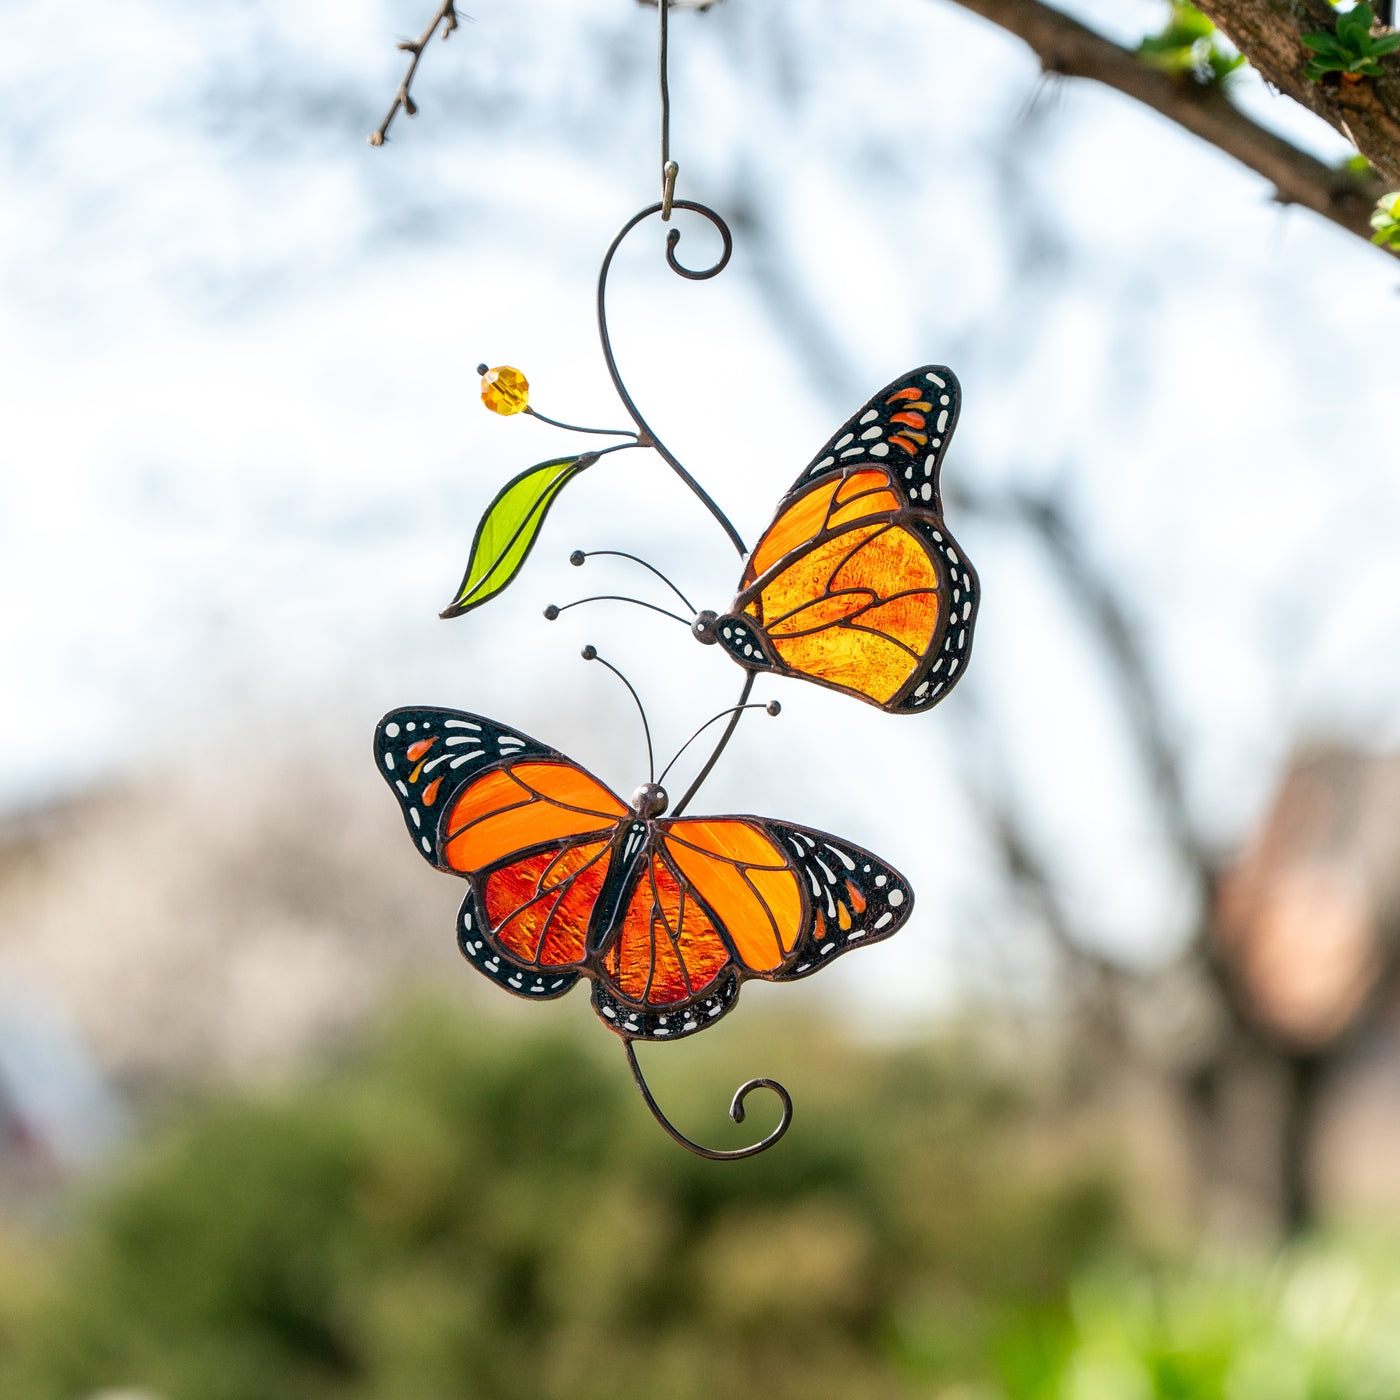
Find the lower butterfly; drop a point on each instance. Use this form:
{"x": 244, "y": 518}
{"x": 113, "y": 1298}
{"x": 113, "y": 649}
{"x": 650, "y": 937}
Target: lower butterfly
{"x": 666, "y": 917}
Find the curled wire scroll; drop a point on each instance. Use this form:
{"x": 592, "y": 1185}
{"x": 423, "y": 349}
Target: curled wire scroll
{"x": 736, "y": 1112}
{"x": 646, "y": 437}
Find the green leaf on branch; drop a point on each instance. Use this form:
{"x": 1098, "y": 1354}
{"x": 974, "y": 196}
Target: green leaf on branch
{"x": 1353, "y": 50}
{"x": 1189, "y": 46}
{"x": 509, "y": 529}
{"x": 1386, "y": 222}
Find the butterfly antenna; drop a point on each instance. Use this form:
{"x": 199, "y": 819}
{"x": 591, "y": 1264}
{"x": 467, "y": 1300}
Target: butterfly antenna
{"x": 736, "y": 1112}
{"x": 554, "y": 609}
{"x": 590, "y": 653}
{"x": 579, "y": 555}
{"x": 772, "y": 707}
{"x": 735, "y": 715}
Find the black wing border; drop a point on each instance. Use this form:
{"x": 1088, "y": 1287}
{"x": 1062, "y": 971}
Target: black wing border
{"x": 471, "y": 745}
{"x": 853, "y": 444}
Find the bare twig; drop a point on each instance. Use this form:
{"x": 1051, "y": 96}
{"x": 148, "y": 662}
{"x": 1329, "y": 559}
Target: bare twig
{"x": 1065, "y": 46}
{"x": 446, "y": 16}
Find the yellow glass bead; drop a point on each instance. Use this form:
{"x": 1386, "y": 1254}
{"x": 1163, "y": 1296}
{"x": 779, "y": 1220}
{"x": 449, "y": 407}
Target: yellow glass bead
{"x": 504, "y": 390}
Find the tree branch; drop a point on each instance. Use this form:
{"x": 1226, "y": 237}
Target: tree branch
{"x": 1065, "y": 46}
{"x": 446, "y": 16}
{"x": 1269, "y": 34}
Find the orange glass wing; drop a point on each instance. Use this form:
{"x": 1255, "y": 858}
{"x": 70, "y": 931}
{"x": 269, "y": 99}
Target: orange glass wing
{"x": 831, "y": 503}
{"x": 536, "y": 835}
{"x": 538, "y": 908}
{"x": 714, "y": 891}
{"x": 747, "y": 879}
{"x": 857, "y": 584}
{"x": 845, "y": 594}
{"x": 666, "y": 950}
{"x": 524, "y": 804}
{"x": 855, "y": 899}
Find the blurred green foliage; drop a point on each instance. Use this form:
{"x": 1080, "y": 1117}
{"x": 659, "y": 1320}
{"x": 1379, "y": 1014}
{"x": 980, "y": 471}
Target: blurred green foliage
{"x": 470, "y": 1211}
{"x": 1322, "y": 1322}
{"x": 1189, "y": 45}
{"x": 1386, "y": 222}
{"x": 1352, "y": 51}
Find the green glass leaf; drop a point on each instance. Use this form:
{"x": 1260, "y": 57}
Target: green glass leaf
{"x": 509, "y": 528}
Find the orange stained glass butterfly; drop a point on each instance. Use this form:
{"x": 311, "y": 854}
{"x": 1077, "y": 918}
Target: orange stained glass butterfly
{"x": 857, "y": 584}
{"x": 666, "y": 917}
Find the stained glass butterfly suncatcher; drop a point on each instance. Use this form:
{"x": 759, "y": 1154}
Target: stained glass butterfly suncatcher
{"x": 665, "y": 916}
{"x": 858, "y": 583}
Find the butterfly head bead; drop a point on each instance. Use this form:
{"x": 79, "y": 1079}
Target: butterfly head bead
{"x": 650, "y": 800}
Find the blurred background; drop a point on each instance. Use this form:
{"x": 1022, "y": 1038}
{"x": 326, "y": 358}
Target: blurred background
{"x": 1117, "y": 1114}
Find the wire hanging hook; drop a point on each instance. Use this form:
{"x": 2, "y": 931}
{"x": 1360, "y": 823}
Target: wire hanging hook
{"x": 668, "y": 203}
{"x": 669, "y": 168}
{"x": 645, "y": 434}
{"x": 736, "y": 1112}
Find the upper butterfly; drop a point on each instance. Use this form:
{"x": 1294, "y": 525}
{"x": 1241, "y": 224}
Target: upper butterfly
{"x": 857, "y": 583}
{"x": 666, "y": 916}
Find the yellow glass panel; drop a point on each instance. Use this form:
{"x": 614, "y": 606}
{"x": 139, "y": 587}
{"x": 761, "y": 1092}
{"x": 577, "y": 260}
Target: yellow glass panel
{"x": 860, "y": 661}
{"x": 870, "y": 563}
{"x": 912, "y": 619}
{"x": 822, "y": 613}
{"x": 893, "y": 562}
{"x": 862, "y": 494}
{"x": 805, "y": 579}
